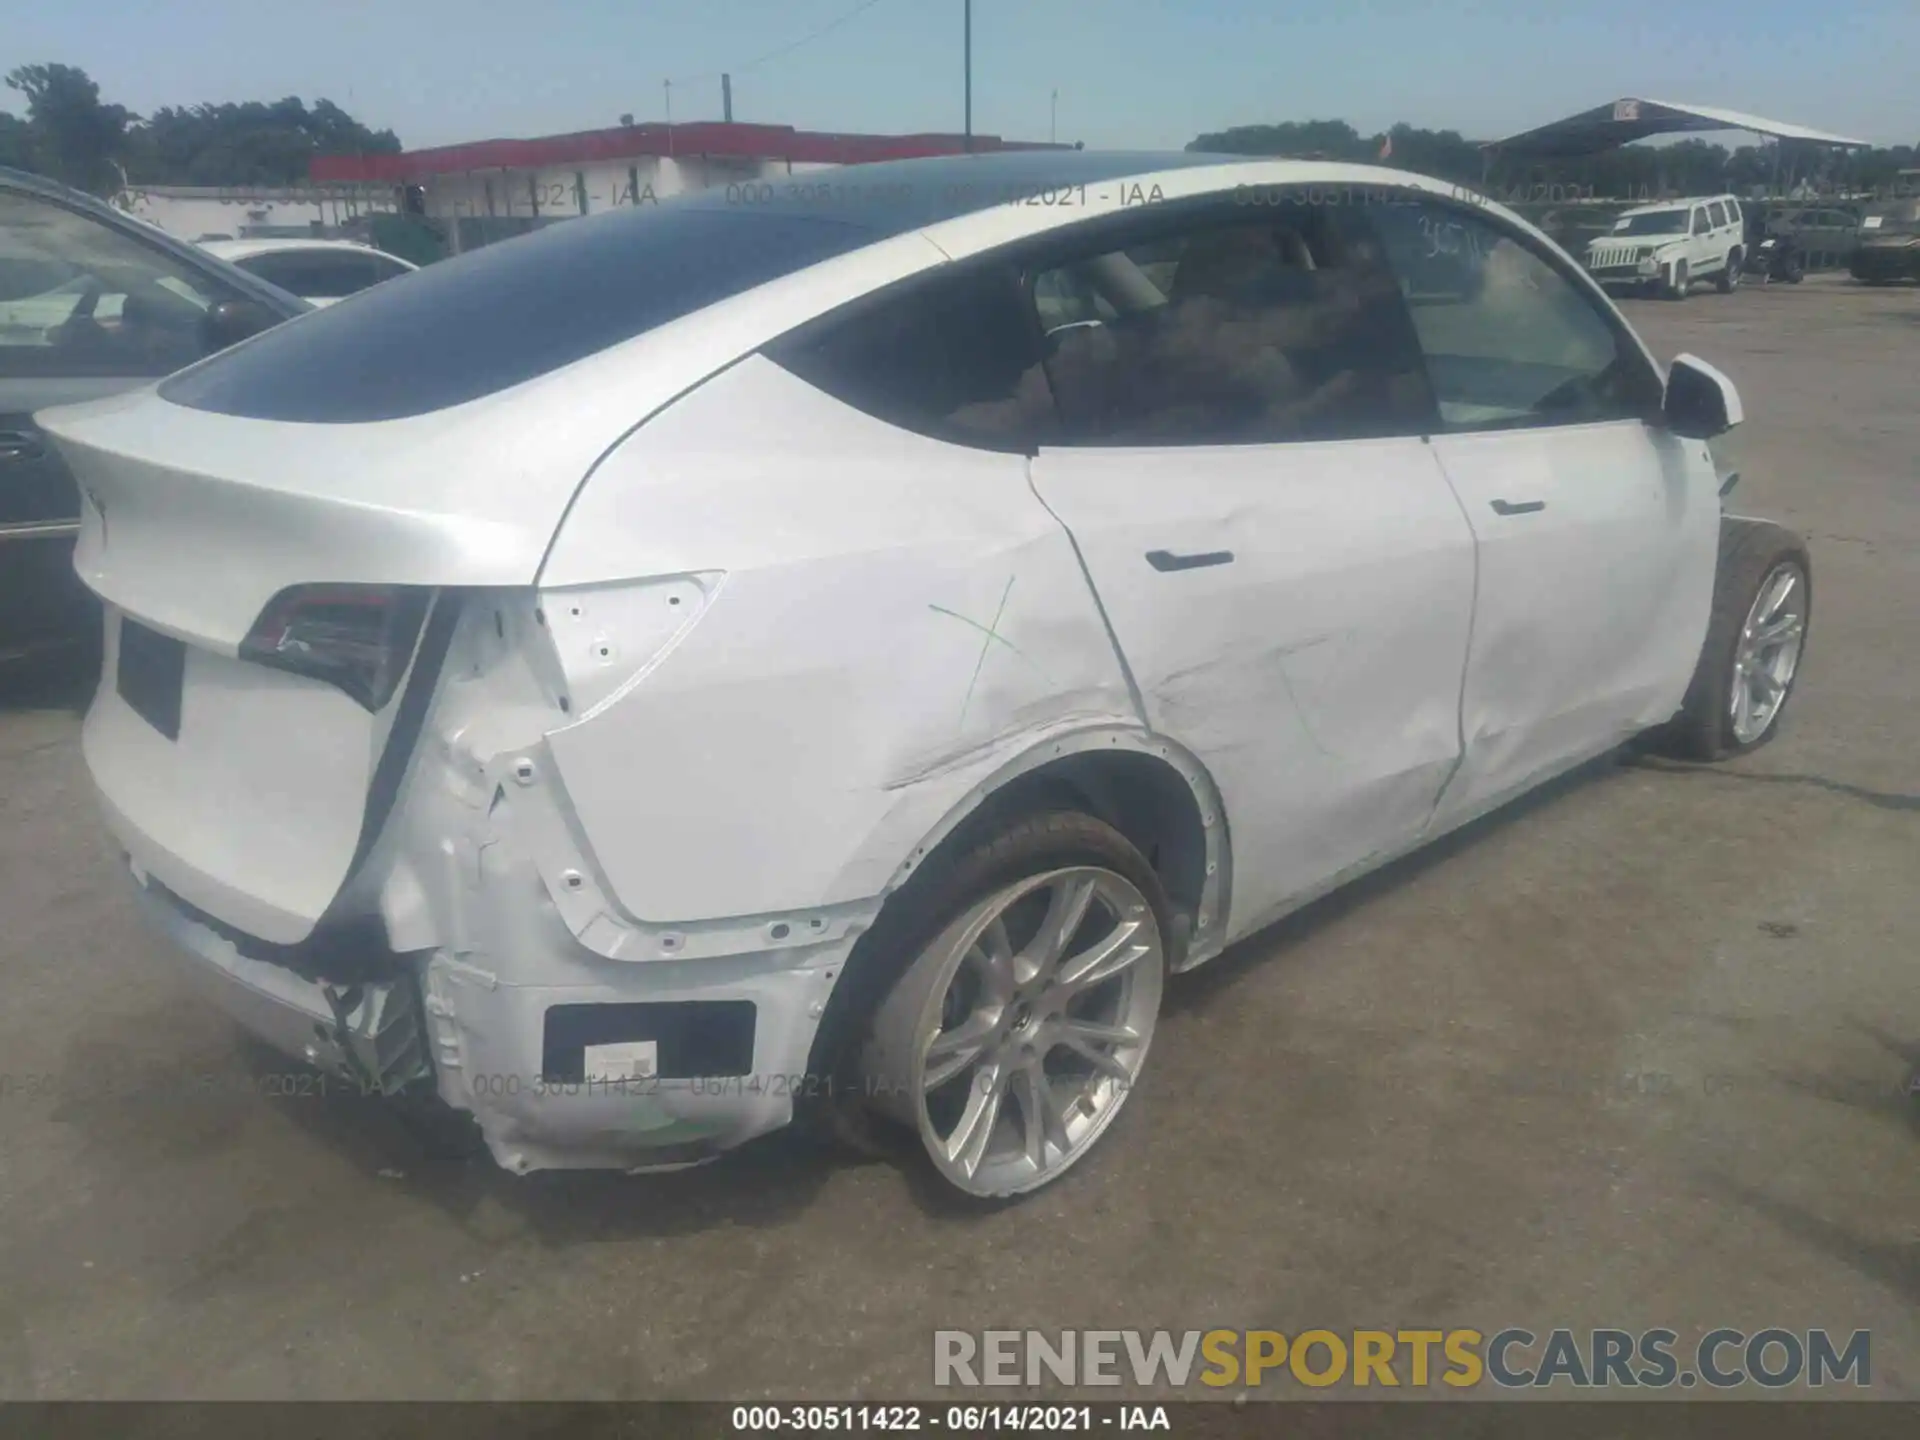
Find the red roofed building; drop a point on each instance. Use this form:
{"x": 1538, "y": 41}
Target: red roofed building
{"x": 531, "y": 181}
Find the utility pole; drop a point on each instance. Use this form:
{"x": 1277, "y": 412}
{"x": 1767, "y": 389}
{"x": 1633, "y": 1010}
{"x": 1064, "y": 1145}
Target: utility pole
{"x": 1053, "y": 119}
{"x": 726, "y": 98}
{"x": 667, "y": 86}
{"x": 967, "y": 44}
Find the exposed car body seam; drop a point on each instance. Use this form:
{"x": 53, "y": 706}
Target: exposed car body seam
{"x": 1106, "y": 623}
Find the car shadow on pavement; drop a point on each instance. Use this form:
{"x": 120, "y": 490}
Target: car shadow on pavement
{"x": 1879, "y": 799}
{"x": 769, "y": 1181}
{"x": 64, "y": 681}
{"x": 435, "y": 1154}
{"x": 1894, "y": 1264}
{"x": 431, "y": 1153}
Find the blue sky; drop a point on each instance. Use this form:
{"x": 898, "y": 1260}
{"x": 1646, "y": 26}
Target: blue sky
{"x": 1146, "y": 73}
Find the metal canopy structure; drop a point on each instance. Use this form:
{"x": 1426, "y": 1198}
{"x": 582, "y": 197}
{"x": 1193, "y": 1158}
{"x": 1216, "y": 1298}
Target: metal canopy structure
{"x": 1623, "y": 121}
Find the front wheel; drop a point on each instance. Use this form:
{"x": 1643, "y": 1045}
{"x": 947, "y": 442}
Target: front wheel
{"x": 1756, "y": 634}
{"x": 1018, "y": 1031}
{"x": 1679, "y": 281}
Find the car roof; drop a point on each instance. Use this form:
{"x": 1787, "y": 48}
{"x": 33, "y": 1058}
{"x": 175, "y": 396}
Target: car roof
{"x": 239, "y": 249}
{"x": 892, "y": 197}
{"x": 724, "y": 270}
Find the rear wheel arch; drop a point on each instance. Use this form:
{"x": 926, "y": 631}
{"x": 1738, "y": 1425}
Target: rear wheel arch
{"x": 1155, "y": 793}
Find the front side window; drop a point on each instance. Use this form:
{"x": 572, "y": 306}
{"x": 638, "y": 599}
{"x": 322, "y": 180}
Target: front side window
{"x": 1279, "y": 326}
{"x": 1699, "y": 222}
{"x": 1508, "y": 339}
{"x": 80, "y": 297}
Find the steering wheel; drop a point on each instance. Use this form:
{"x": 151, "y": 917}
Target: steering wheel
{"x": 80, "y": 330}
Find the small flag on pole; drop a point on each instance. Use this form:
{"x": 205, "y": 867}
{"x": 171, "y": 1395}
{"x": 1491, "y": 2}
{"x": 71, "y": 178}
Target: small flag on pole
{"x": 1386, "y": 147}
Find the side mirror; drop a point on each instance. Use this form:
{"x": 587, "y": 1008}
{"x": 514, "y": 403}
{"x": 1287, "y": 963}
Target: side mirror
{"x": 228, "y": 322}
{"x": 1701, "y": 402}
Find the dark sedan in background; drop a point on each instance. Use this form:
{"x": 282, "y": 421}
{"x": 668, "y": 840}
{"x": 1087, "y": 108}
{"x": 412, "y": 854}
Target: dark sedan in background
{"x": 1889, "y": 247}
{"x": 92, "y": 302}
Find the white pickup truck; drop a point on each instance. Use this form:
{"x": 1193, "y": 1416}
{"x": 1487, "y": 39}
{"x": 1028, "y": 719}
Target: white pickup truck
{"x": 1669, "y": 246}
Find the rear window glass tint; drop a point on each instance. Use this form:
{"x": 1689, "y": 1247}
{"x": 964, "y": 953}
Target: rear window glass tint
{"x": 495, "y": 317}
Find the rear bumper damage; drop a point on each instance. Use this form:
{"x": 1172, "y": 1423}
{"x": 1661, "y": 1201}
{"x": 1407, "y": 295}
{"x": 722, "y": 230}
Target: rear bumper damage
{"x": 474, "y": 953}
{"x": 649, "y": 1066}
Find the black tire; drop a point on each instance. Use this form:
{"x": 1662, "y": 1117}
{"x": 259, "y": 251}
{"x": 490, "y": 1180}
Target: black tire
{"x": 1730, "y": 274}
{"x": 1796, "y": 271}
{"x": 1750, "y": 552}
{"x": 1682, "y": 282}
{"x": 997, "y": 854}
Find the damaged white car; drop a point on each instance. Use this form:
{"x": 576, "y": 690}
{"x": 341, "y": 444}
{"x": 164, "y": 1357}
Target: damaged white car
{"x": 712, "y": 662}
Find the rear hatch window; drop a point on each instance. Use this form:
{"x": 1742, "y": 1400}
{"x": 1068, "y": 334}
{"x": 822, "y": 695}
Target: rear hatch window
{"x": 496, "y": 317}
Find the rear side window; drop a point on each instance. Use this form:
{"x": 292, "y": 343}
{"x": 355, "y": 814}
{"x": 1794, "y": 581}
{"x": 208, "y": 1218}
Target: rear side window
{"x": 314, "y": 274}
{"x": 496, "y": 317}
{"x": 1719, "y": 214}
{"x": 956, "y": 357}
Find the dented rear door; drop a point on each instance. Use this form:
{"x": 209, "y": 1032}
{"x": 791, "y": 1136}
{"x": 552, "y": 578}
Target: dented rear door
{"x": 1297, "y": 616}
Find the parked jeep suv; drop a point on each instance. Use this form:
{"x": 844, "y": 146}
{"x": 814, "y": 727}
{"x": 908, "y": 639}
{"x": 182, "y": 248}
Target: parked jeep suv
{"x": 1668, "y": 246}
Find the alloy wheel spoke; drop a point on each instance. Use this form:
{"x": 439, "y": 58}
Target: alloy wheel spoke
{"x": 1092, "y": 1032}
{"x": 1066, "y": 911}
{"x": 1103, "y": 960}
{"x": 1105, "y": 1061}
{"x": 1777, "y": 593}
{"x": 966, "y": 1146}
{"x": 1043, "y": 1122}
{"x": 996, "y": 959}
{"x": 952, "y": 1051}
{"x": 1786, "y": 627}
{"x": 1742, "y": 701}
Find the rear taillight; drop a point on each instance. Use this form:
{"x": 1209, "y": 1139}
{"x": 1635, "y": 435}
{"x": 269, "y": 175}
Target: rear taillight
{"x": 358, "y": 638}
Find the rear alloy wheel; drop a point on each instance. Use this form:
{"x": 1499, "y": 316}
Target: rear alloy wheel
{"x": 1013, "y": 1039}
{"x": 1730, "y": 273}
{"x": 1679, "y": 281}
{"x": 1763, "y": 603}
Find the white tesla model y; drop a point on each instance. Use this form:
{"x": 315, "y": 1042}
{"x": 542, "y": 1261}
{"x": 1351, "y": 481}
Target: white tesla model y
{"x": 838, "y": 654}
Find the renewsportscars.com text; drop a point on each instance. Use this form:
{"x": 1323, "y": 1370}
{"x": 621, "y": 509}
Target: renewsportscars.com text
{"x": 1511, "y": 1358}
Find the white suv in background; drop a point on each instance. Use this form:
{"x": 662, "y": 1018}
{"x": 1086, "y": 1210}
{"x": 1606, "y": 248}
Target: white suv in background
{"x": 1669, "y": 246}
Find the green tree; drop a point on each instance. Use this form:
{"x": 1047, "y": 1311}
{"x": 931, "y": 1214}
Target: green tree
{"x": 71, "y": 134}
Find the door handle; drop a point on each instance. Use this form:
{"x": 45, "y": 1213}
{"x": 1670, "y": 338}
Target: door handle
{"x": 1524, "y": 507}
{"x": 1165, "y": 560}
{"x": 21, "y": 445}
